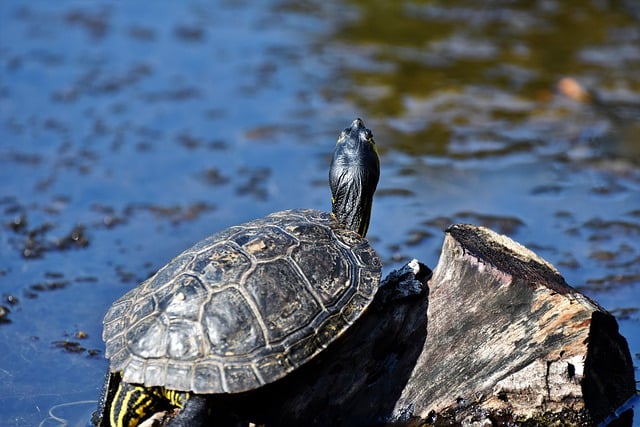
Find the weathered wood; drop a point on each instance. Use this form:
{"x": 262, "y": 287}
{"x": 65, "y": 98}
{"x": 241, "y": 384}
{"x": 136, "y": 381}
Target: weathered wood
{"x": 506, "y": 332}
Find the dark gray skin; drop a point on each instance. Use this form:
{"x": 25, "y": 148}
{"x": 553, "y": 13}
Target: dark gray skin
{"x": 353, "y": 177}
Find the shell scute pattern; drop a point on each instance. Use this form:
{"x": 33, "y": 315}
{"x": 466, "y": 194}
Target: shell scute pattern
{"x": 221, "y": 264}
{"x": 264, "y": 243}
{"x": 207, "y": 376}
{"x": 242, "y": 376}
{"x": 114, "y": 325}
{"x": 331, "y": 327}
{"x": 119, "y": 360}
{"x": 309, "y": 232}
{"x": 178, "y": 376}
{"x": 148, "y": 338}
{"x": 243, "y": 307}
{"x": 282, "y": 298}
{"x": 142, "y": 308}
{"x": 348, "y": 238}
{"x": 167, "y": 273}
{"x": 185, "y": 339}
{"x": 154, "y": 371}
{"x": 178, "y": 302}
{"x": 273, "y": 365}
{"x": 231, "y": 326}
{"x": 136, "y": 367}
{"x": 326, "y": 268}
{"x": 213, "y": 239}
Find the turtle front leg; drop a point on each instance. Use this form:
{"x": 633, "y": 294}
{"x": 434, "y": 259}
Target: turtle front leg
{"x": 133, "y": 403}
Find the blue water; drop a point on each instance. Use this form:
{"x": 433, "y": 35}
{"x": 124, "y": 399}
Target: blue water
{"x": 129, "y": 132}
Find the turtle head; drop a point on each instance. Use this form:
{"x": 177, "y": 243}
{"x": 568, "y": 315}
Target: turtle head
{"x": 353, "y": 177}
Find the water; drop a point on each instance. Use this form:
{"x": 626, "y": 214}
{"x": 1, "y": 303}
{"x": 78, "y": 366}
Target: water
{"x": 128, "y": 133}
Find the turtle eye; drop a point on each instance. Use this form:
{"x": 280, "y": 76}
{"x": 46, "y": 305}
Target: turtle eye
{"x": 368, "y": 136}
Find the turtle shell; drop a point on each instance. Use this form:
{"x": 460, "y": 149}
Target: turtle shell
{"x": 243, "y": 307}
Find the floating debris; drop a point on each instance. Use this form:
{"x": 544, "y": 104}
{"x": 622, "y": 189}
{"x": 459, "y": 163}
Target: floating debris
{"x": 96, "y": 24}
{"x": 73, "y": 346}
{"x": 416, "y": 237}
{"x": 256, "y": 182}
{"x": 49, "y": 286}
{"x": 213, "y": 176}
{"x": 4, "y": 313}
{"x": 36, "y": 241}
{"x": 86, "y": 279}
{"x": 18, "y": 224}
{"x": 189, "y": 142}
{"x": 11, "y": 299}
{"x": 75, "y": 239}
{"x": 70, "y": 346}
{"x": 189, "y": 33}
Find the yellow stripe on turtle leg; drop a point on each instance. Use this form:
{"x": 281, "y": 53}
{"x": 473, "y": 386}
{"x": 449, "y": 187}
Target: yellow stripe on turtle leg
{"x": 131, "y": 404}
{"x": 176, "y": 398}
{"x": 115, "y": 406}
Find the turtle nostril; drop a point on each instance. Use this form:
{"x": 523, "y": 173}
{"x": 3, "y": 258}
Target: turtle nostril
{"x": 357, "y": 124}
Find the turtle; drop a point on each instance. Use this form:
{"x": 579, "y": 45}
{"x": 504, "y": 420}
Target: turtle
{"x": 247, "y": 305}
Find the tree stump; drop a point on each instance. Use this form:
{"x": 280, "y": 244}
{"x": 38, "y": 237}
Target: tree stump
{"x": 507, "y": 335}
